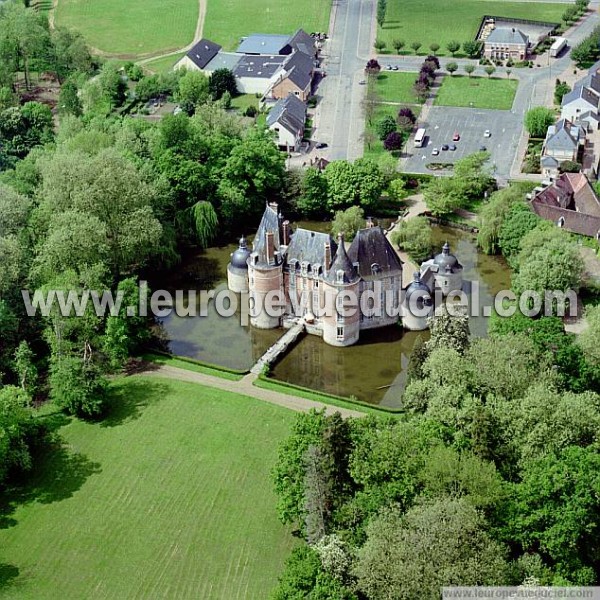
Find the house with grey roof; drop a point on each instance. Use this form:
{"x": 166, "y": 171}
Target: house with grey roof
{"x": 198, "y": 57}
{"x": 577, "y": 102}
{"x": 563, "y": 142}
{"x": 506, "y": 42}
{"x": 287, "y": 119}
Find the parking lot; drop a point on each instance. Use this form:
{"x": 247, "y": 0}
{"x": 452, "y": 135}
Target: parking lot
{"x": 443, "y": 121}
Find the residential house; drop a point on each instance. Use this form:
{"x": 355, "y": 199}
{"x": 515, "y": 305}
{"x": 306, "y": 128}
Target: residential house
{"x": 569, "y": 202}
{"x": 287, "y": 119}
{"x": 579, "y": 102}
{"x": 266, "y": 64}
{"x": 296, "y": 78}
{"x": 506, "y": 42}
{"x": 563, "y": 142}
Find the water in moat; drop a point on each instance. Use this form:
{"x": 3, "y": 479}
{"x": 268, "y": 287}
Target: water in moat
{"x": 373, "y": 370}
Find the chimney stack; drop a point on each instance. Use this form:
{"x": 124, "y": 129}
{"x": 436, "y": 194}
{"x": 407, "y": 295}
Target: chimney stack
{"x": 286, "y": 233}
{"x": 270, "y": 247}
{"x": 327, "y": 258}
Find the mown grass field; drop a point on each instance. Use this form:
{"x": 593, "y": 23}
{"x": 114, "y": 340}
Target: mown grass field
{"x": 393, "y": 86}
{"x": 478, "y": 92}
{"x": 168, "y": 498}
{"x": 229, "y": 20}
{"x": 440, "y": 21}
{"x": 131, "y": 28}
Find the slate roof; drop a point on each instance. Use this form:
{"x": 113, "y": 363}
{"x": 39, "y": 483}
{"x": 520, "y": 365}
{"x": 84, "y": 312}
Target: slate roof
{"x": 309, "y": 246}
{"x": 223, "y": 60}
{"x": 341, "y": 262}
{"x": 264, "y": 43}
{"x": 269, "y": 222}
{"x": 591, "y": 81}
{"x": 571, "y": 197}
{"x": 302, "y": 42}
{"x": 260, "y": 67}
{"x": 562, "y": 136}
{"x": 507, "y": 35}
{"x": 374, "y": 254}
{"x": 299, "y": 68}
{"x": 290, "y": 113}
{"x": 203, "y": 52}
{"x": 583, "y": 93}
{"x": 549, "y": 162}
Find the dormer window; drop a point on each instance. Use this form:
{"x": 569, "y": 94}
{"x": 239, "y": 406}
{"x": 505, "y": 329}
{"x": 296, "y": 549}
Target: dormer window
{"x": 561, "y": 222}
{"x": 339, "y": 276}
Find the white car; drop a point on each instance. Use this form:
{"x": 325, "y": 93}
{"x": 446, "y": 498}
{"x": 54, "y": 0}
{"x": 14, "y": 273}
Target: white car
{"x": 435, "y": 152}
{"x": 487, "y": 133}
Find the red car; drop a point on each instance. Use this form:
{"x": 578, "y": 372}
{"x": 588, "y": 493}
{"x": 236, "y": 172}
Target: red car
{"x": 456, "y": 136}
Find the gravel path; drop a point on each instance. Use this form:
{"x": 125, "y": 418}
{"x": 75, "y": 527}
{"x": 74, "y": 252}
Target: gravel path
{"x": 246, "y": 387}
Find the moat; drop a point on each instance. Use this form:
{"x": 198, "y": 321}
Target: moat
{"x": 373, "y": 370}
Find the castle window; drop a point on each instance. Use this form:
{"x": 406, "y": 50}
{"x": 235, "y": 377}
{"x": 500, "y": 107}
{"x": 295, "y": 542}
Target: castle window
{"x": 339, "y": 276}
{"x": 251, "y": 279}
{"x": 316, "y": 284}
{"x": 340, "y": 333}
{"x": 292, "y": 279}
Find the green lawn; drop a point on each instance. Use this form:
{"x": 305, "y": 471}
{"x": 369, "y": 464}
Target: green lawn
{"x": 163, "y": 65}
{"x": 382, "y": 110}
{"x": 479, "y": 92}
{"x": 440, "y": 21}
{"x": 131, "y": 28}
{"x": 243, "y": 101}
{"x": 392, "y": 86}
{"x": 229, "y": 20}
{"x": 168, "y": 498}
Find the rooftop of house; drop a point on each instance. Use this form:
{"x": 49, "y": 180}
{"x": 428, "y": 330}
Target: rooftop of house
{"x": 267, "y": 43}
{"x": 288, "y": 112}
{"x": 590, "y": 81}
{"x": 582, "y": 93}
{"x": 261, "y": 67}
{"x": 342, "y": 270}
{"x": 303, "y": 42}
{"x": 572, "y": 199}
{"x": 223, "y": 60}
{"x": 562, "y": 136}
{"x": 264, "y": 43}
{"x": 299, "y": 68}
{"x": 507, "y": 35}
{"x": 373, "y": 254}
{"x": 203, "y": 52}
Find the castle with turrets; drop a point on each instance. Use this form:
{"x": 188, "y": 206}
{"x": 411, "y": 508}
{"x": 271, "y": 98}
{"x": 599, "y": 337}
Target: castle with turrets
{"x": 305, "y": 271}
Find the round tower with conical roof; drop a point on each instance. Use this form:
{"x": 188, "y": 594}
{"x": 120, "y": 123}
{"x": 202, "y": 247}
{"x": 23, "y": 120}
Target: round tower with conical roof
{"x": 417, "y": 305}
{"x": 449, "y": 273}
{"x": 341, "y": 285}
{"x": 237, "y": 269}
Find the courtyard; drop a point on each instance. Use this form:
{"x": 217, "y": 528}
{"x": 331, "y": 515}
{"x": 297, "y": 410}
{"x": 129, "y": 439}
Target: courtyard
{"x": 442, "y": 122}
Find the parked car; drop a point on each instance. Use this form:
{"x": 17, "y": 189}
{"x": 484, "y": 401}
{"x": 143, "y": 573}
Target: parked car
{"x": 388, "y": 67}
{"x": 456, "y": 136}
{"x": 395, "y": 68}
{"x": 482, "y": 149}
{"x": 487, "y": 133}
{"x": 452, "y": 147}
{"x": 445, "y": 147}
{"x": 321, "y": 145}
{"x": 362, "y": 82}
{"x": 435, "y": 152}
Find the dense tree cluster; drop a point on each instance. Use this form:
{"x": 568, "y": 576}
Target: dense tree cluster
{"x": 469, "y": 183}
{"x": 490, "y": 477}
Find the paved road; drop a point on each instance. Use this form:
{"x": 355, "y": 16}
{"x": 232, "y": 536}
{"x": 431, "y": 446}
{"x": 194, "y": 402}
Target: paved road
{"x": 340, "y": 120}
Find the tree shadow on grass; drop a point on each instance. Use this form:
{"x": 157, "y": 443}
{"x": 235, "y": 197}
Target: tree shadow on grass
{"x": 57, "y": 474}
{"x": 8, "y": 573}
{"x": 128, "y": 401}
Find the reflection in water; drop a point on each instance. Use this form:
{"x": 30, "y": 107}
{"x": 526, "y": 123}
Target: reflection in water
{"x": 374, "y": 370}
